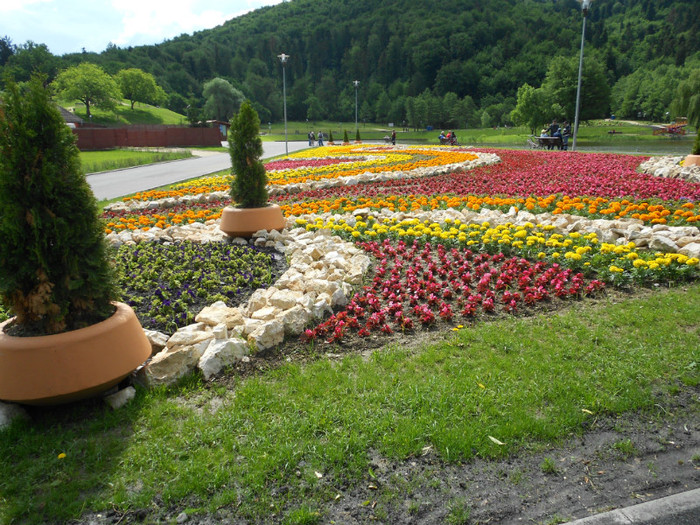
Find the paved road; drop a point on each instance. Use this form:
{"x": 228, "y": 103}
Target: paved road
{"x": 117, "y": 183}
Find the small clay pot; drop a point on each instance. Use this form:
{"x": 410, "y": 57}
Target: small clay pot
{"x": 244, "y": 222}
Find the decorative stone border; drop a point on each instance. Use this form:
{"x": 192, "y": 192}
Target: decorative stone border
{"x": 323, "y": 272}
{"x": 670, "y": 168}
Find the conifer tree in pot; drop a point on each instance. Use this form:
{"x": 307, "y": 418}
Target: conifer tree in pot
{"x": 358, "y": 140}
{"x": 68, "y": 338}
{"x": 346, "y": 141}
{"x": 252, "y": 211}
{"x": 330, "y": 138}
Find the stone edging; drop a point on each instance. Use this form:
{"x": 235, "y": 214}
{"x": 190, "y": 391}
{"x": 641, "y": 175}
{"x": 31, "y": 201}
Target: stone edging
{"x": 323, "y": 272}
{"x": 670, "y": 168}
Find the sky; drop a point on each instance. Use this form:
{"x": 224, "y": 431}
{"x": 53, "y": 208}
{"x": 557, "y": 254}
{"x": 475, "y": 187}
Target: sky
{"x": 68, "y": 26}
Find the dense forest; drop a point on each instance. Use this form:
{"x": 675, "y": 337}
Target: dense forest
{"x": 458, "y": 62}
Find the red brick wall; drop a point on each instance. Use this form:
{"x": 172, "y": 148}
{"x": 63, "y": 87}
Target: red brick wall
{"x": 146, "y": 136}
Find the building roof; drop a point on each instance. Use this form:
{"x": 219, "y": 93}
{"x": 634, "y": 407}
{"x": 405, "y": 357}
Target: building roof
{"x": 69, "y": 117}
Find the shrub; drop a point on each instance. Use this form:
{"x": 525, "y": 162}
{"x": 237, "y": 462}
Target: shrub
{"x": 330, "y": 136}
{"x": 357, "y": 135}
{"x": 249, "y": 186}
{"x": 54, "y": 271}
{"x": 345, "y": 136}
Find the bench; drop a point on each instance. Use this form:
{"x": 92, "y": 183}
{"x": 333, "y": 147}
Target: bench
{"x": 549, "y": 142}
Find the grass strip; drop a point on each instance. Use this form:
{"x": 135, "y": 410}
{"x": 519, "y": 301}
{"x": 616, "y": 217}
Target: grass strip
{"x": 95, "y": 161}
{"x": 304, "y": 432}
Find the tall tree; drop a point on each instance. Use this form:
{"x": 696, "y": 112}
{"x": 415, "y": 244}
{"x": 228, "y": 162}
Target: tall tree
{"x": 138, "y": 86}
{"x": 533, "y": 108}
{"x": 90, "y": 84}
{"x": 561, "y": 81}
{"x": 222, "y": 99}
{"x": 687, "y": 100}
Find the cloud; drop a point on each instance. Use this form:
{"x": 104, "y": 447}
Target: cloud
{"x": 92, "y": 24}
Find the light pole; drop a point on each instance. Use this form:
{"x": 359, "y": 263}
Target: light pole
{"x": 356, "y": 83}
{"x": 283, "y": 58}
{"x": 584, "y": 9}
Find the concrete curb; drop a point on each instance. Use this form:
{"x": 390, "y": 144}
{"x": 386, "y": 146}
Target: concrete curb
{"x": 678, "y": 509}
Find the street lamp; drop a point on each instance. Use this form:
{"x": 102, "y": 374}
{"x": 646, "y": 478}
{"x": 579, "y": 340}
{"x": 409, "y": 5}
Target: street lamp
{"x": 283, "y": 58}
{"x": 356, "y": 83}
{"x": 584, "y": 9}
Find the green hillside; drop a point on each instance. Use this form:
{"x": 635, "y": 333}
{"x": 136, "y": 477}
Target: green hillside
{"x": 418, "y": 62}
{"x": 123, "y": 114}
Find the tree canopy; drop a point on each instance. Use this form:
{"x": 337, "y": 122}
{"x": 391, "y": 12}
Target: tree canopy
{"x": 482, "y": 51}
{"x": 138, "y": 86}
{"x": 222, "y": 99}
{"x": 88, "y": 83}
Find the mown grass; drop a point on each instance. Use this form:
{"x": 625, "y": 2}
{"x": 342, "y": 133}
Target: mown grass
{"x": 95, "y": 161}
{"x": 287, "y": 441}
{"x": 123, "y": 114}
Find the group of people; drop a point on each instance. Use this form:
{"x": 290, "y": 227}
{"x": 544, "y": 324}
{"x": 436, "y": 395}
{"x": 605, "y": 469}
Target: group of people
{"x": 313, "y": 138}
{"x": 450, "y": 138}
{"x": 554, "y": 130}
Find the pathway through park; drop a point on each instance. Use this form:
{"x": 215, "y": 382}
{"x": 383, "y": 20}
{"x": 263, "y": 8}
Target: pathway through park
{"x": 118, "y": 183}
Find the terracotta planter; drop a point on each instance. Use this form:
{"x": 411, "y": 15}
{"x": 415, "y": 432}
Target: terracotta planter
{"x": 692, "y": 160}
{"x": 60, "y": 368}
{"x": 244, "y": 222}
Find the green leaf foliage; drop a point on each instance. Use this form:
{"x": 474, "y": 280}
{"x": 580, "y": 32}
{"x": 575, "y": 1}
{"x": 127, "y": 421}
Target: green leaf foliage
{"x": 249, "y": 186}
{"x": 54, "y": 271}
{"x": 88, "y": 83}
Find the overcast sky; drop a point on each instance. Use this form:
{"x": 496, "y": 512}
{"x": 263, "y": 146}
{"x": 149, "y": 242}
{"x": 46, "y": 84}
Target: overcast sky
{"x": 68, "y": 26}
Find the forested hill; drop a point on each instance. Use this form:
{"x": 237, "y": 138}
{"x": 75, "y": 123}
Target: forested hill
{"x": 480, "y": 50}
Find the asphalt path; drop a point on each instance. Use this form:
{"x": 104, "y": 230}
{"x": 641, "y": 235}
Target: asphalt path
{"x": 118, "y": 183}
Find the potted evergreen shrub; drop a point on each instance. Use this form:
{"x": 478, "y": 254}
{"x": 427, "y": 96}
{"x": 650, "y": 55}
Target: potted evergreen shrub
{"x": 346, "y": 141}
{"x": 330, "y": 138}
{"x": 358, "y": 140}
{"x": 69, "y": 339}
{"x": 252, "y": 212}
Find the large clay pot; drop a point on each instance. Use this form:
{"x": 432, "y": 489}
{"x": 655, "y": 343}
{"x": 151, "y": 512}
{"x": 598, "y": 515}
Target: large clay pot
{"x": 65, "y": 367}
{"x": 692, "y": 160}
{"x": 244, "y": 222}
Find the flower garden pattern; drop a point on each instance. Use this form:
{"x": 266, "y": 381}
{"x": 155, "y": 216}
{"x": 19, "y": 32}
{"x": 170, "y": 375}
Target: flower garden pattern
{"x": 447, "y": 271}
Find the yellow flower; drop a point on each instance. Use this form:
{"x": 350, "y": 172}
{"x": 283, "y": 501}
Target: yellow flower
{"x": 693, "y": 261}
{"x": 615, "y": 269}
{"x": 62, "y": 455}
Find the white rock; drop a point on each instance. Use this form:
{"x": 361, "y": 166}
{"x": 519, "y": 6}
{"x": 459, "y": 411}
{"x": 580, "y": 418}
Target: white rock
{"x": 295, "y": 320}
{"x": 219, "y": 313}
{"x": 267, "y": 335}
{"x": 158, "y": 340}
{"x": 120, "y": 398}
{"x": 168, "y": 366}
{"x": 691, "y": 250}
{"x": 9, "y": 412}
{"x": 220, "y": 354}
{"x": 184, "y": 337}
{"x": 663, "y": 244}
{"x": 285, "y": 299}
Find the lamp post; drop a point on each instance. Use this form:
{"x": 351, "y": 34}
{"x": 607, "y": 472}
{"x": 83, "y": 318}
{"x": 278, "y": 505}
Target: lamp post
{"x": 283, "y": 58}
{"x": 356, "y": 83}
{"x": 584, "y": 9}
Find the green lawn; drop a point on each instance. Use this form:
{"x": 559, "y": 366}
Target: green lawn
{"x": 284, "y": 441}
{"x": 123, "y": 114}
{"x": 94, "y": 161}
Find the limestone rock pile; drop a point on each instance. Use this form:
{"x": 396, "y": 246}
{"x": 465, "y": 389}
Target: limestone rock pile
{"x": 323, "y": 272}
{"x": 670, "y": 168}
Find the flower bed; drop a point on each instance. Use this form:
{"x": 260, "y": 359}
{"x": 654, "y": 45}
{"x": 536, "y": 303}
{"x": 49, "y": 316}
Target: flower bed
{"x": 433, "y": 268}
